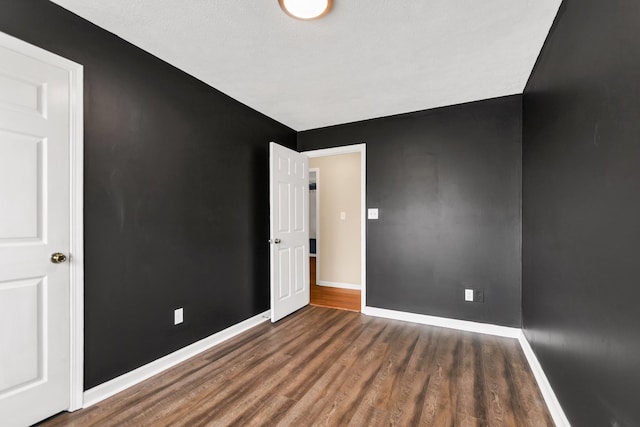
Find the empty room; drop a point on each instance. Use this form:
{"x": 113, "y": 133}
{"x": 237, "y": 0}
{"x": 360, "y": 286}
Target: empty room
{"x": 160, "y": 264}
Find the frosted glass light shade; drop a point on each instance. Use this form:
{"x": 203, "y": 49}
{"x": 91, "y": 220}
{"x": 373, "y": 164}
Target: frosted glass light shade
{"x": 305, "y": 9}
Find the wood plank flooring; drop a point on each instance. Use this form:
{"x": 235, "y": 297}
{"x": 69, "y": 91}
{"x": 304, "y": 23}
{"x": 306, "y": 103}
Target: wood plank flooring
{"x": 325, "y": 367}
{"x": 344, "y": 299}
{"x": 326, "y": 296}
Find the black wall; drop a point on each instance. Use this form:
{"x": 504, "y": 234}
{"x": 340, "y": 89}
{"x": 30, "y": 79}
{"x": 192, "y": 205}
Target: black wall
{"x": 581, "y": 211}
{"x": 447, "y": 183}
{"x": 176, "y": 195}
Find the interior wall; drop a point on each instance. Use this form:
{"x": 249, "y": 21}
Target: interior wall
{"x": 339, "y": 242}
{"x": 176, "y": 195}
{"x": 582, "y": 211}
{"x": 447, "y": 182}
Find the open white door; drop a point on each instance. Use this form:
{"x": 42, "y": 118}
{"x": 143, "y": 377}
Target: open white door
{"x": 289, "y": 221}
{"x": 35, "y": 117}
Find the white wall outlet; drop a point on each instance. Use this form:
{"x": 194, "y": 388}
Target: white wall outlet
{"x": 468, "y": 295}
{"x": 343, "y": 215}
{"x": 178, "y": 316}
{"x": 372, "y": 213}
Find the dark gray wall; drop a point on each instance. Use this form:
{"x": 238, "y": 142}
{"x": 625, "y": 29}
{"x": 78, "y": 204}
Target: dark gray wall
{"x": 581, "y": 251}
{"x": 447, "y": 183}
{"x": 176, "y": 195}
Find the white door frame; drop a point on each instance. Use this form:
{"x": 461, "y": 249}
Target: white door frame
{"x": 345, "y": 149}
{"x": 76, "y": 250}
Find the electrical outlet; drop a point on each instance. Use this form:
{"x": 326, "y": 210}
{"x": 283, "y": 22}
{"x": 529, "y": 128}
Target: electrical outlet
{"x": 478, "y": 296}
{"x": 468, "y": 295}
{"x": 178, "y": 316}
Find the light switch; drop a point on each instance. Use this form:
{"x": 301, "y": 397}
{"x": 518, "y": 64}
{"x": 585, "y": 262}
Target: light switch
{"x": 178, "y": 316}
{"x": 468, "y": 295}
{"x": 372, "y": 213}
{"x": 343, "y": 215}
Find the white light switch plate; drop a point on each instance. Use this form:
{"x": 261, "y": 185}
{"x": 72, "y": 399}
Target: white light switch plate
{"x": 178, "y": 316}
{"x": 343, "y": 215}
{"x": 372, "y": 213}
{"x": 468, "y": 295}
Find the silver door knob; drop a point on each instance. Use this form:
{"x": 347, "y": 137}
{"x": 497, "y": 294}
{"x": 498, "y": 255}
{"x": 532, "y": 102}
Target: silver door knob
{"x": 276, "y": 241}
{"x": 58, "y": 258}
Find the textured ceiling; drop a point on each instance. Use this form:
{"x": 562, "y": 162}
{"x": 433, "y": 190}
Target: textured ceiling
{"x": 365, "y": 59}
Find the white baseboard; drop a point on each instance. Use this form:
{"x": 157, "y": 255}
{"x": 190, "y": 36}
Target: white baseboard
{"x": 338, "y": 285}
{"x": 116, "y": 385}
{"x": 559, "y": 418}
{"x": 444, "y": 322}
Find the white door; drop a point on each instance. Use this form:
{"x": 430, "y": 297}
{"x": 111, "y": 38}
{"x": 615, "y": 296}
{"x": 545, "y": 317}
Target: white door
{"x": 34, "y": 224}
{"x": 289, "y": 192}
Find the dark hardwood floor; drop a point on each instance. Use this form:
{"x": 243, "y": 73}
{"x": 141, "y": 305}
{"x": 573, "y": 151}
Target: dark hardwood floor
{"x": 327, "y": 296}
{"x": 336, "y": 368}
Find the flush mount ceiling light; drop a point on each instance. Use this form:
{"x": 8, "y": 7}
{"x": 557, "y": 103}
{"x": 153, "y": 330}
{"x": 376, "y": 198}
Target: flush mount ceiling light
{"x": 305, "y": 9}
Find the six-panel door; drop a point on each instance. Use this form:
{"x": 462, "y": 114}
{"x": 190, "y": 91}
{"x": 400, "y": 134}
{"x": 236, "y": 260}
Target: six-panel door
{"x": 289, "y": 180}
{"x": 34, "y": 224}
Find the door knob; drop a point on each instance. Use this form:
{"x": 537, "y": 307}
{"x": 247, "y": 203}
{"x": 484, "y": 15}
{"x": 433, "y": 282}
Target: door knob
{"x": 58, "y": 258}
{"x": 276, "y": 241}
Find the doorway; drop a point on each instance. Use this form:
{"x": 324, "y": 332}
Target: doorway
{"x": 337, "y": 227}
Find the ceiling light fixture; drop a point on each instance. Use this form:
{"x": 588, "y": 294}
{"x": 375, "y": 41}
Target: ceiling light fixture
{"x": 305, "y": 9}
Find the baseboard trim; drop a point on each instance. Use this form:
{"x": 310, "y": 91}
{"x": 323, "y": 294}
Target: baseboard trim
{"x": 338, "y": 285}
{"x": 444, "y": 322}
{"x": 558, "y": 415}
{"x": 118, "y": 384}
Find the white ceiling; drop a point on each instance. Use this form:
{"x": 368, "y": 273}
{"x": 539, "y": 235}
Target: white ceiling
{"x": 365, "y": 59}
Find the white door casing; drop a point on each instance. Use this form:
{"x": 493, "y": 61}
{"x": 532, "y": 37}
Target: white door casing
{"x": 345, "y": 149}
{"x": 38, "y": 122}
{"x": 289, "y": 230}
